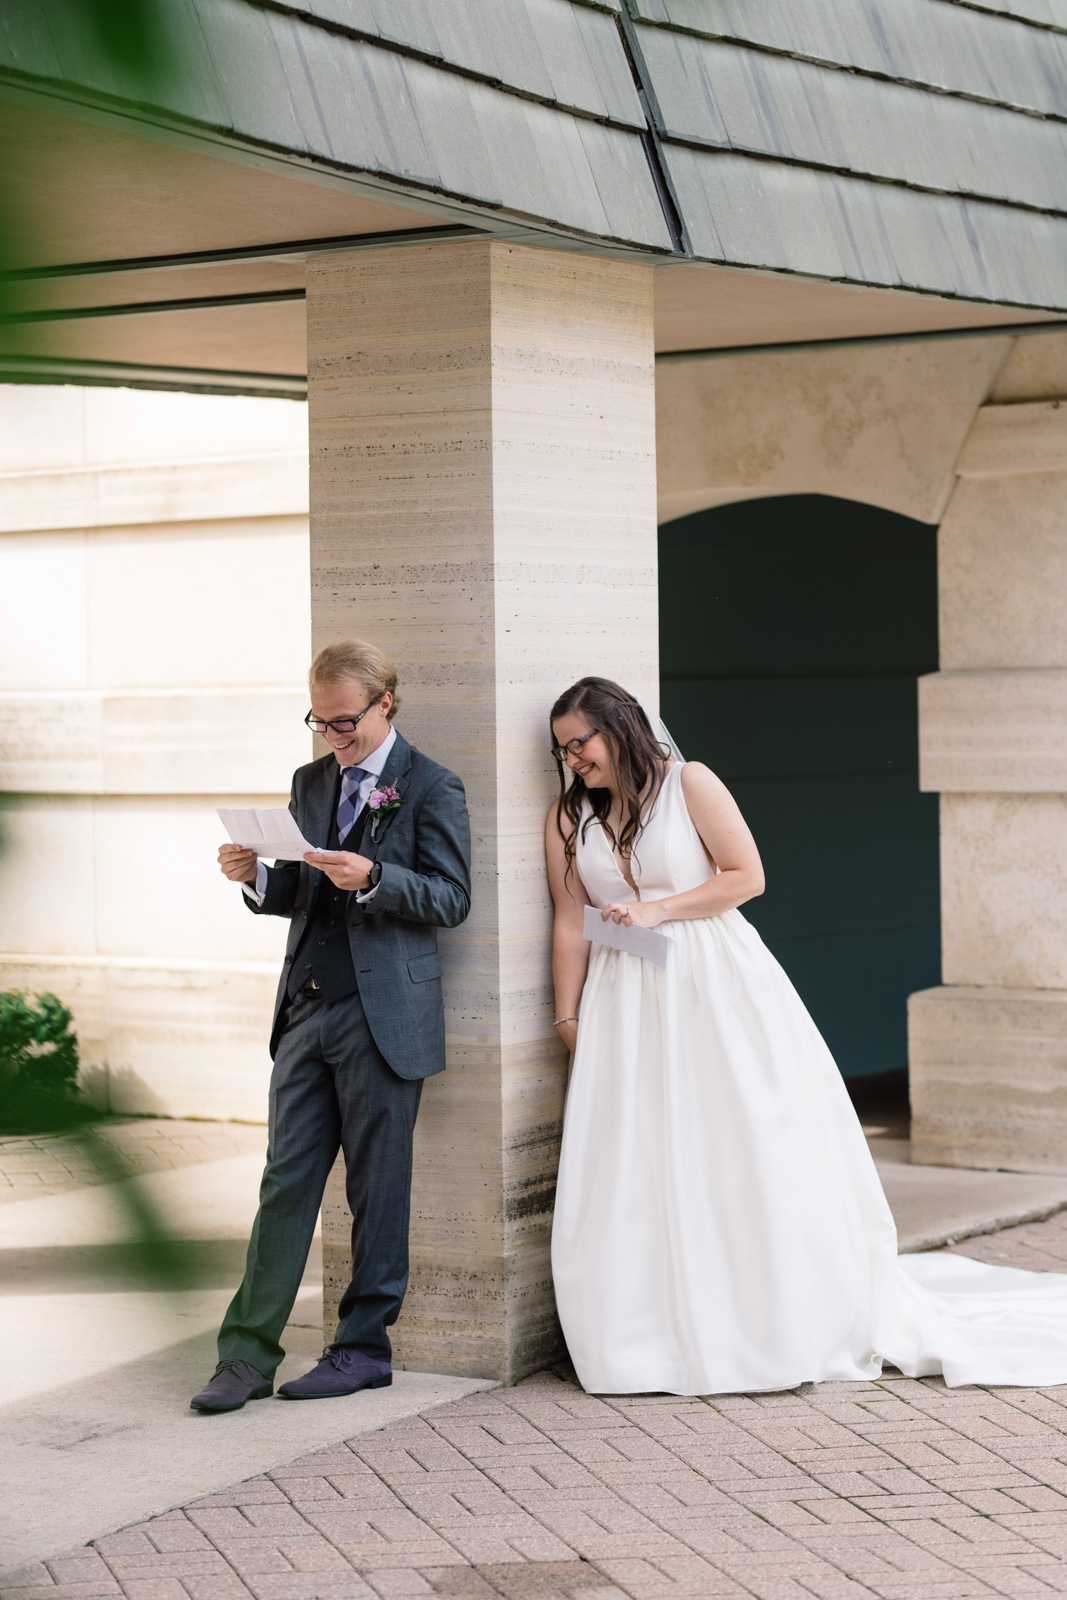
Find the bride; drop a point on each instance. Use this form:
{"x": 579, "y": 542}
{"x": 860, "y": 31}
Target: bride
{"x": 719, "y": 1223}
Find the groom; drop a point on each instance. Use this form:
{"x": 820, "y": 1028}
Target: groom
{"x": 358, "y": 1024}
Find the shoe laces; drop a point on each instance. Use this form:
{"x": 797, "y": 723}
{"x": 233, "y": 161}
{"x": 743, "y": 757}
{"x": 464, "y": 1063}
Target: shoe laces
{"x": 342, "y": 1355}
{"x": 233, "y": 1364}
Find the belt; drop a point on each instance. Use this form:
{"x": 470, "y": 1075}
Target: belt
{"x": 309, "y": 986}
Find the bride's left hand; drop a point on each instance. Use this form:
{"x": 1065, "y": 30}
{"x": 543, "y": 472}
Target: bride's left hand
{"x": 633, "y": 914}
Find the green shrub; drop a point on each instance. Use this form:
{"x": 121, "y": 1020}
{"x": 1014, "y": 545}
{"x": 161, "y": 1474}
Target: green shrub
{"x": 38, "y": 1064}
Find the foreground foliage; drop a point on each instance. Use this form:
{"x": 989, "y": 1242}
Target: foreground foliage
{"x": 38, "y": 1064}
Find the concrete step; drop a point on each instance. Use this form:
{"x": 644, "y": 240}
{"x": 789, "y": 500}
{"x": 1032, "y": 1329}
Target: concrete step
{"x": 936, "y": 1206}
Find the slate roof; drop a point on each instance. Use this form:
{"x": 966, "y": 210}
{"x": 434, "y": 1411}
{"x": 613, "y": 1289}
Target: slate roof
{"x": 910, "y": 143}
{"x": 905, "y": 143}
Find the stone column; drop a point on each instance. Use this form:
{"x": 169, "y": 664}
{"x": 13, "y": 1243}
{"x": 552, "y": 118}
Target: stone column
{"x": 483, "y": 507}
{"x": 989, "y": 1049}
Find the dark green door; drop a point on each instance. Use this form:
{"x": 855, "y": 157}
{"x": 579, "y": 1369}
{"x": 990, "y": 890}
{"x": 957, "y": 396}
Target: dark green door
{"x": 792, "y": 631}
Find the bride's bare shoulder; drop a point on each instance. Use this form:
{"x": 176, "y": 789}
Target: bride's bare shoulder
{"x": 695, "y": 772}
{"x": 699, "y": 783}
{"x": 557, "y": 824}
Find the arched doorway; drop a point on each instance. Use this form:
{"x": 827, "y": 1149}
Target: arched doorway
{"x": 792, "y": 630}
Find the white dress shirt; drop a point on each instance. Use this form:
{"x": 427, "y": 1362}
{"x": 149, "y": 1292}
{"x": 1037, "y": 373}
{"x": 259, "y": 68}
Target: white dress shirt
{"x": 373, "y": 767}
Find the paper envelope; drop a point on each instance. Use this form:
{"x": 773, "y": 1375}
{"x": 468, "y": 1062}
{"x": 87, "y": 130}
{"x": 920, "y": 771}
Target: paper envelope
{"x": 648, "y": 943}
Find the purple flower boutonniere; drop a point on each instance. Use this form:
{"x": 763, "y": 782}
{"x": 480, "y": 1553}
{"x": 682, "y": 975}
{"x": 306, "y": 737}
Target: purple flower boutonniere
{"x": 381, "y": 801}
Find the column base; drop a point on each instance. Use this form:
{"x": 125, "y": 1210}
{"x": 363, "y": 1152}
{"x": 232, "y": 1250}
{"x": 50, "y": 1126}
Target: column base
{"x": 988, "y": 1070}
{"x": 455, "y": 1317}
{"x": 480, "y": 1302}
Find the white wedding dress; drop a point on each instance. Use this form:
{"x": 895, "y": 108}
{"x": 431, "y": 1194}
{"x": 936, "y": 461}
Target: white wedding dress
{"x": 719, "y": 1223}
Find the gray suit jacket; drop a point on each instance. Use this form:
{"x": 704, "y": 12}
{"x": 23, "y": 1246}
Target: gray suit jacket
{"x": 424, "y": 848}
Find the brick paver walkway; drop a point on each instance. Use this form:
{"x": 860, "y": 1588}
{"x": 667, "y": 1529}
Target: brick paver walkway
{"x": 33, "y": 1165}
{"x": 897, "y": 1489}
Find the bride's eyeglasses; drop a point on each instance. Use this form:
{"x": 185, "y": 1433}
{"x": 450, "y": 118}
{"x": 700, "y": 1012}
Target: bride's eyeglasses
{"x": 560, "y": 752}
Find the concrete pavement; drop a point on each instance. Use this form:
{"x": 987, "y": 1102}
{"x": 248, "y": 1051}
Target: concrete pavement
{"x": 99, "y": 1363}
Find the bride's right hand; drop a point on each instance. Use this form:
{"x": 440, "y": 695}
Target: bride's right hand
{"x": 568, "y": 1032}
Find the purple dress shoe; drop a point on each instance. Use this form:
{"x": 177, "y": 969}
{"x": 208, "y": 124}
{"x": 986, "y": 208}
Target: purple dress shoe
{"x": 234, "y": 1383}
{"x": 342, "y": 1370}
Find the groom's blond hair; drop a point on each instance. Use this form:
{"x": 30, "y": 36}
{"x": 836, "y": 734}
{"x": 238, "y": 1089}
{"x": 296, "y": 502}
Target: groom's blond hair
{"x": 355, "y": 658}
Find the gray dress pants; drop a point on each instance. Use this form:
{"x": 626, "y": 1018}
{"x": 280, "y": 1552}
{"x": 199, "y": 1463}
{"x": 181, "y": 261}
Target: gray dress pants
{"x": 331, "y": 1088}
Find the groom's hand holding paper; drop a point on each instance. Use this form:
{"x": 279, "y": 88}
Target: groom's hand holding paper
{"x": 272, "y": 834}
{"x": 647, "y": 943}
{"x": 344, "y": 870}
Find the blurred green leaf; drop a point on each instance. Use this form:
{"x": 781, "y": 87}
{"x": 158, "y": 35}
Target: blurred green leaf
{"x": 131, "y": 35}
{"x": 39, "y": 1095}
{"x": 135, "y": 40}
{"x": 134, "y": 48}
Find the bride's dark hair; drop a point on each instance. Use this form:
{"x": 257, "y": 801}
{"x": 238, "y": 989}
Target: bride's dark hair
{"x": 636, "y": 755}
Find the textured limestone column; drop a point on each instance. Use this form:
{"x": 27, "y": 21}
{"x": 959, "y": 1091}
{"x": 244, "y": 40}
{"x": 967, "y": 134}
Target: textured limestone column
{"x": 483, "y": 507}
{"x": 989, "y": 1049}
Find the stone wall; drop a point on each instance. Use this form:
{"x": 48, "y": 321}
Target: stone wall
{"x": 971, "y": 434}
{"x": 880, "y": 424}
{"x": 153, "y": 637}
{"x": 989, "y": 1048}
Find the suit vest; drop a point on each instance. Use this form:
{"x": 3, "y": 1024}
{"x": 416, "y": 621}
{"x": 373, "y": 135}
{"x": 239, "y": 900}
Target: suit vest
{"x": 324, "y": 952}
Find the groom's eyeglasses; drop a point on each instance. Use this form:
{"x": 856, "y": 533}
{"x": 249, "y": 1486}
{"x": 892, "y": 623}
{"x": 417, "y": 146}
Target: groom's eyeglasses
{"x": 341, "y": 725}
{"x": 560, "y": 752}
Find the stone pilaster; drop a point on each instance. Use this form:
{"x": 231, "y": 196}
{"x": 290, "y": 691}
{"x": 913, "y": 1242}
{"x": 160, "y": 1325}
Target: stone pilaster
{"x": 989, "y": 1049}
{"x": 483, "y": 507}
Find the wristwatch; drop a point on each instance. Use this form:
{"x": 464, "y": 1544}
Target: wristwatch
{"x": 374, "y": 876}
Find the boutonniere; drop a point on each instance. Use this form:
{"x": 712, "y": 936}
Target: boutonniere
{"x": 381, "y": 801}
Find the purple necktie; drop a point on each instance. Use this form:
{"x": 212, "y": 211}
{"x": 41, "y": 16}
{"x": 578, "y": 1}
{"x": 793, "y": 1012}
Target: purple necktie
{"x": 348, "y": 805}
